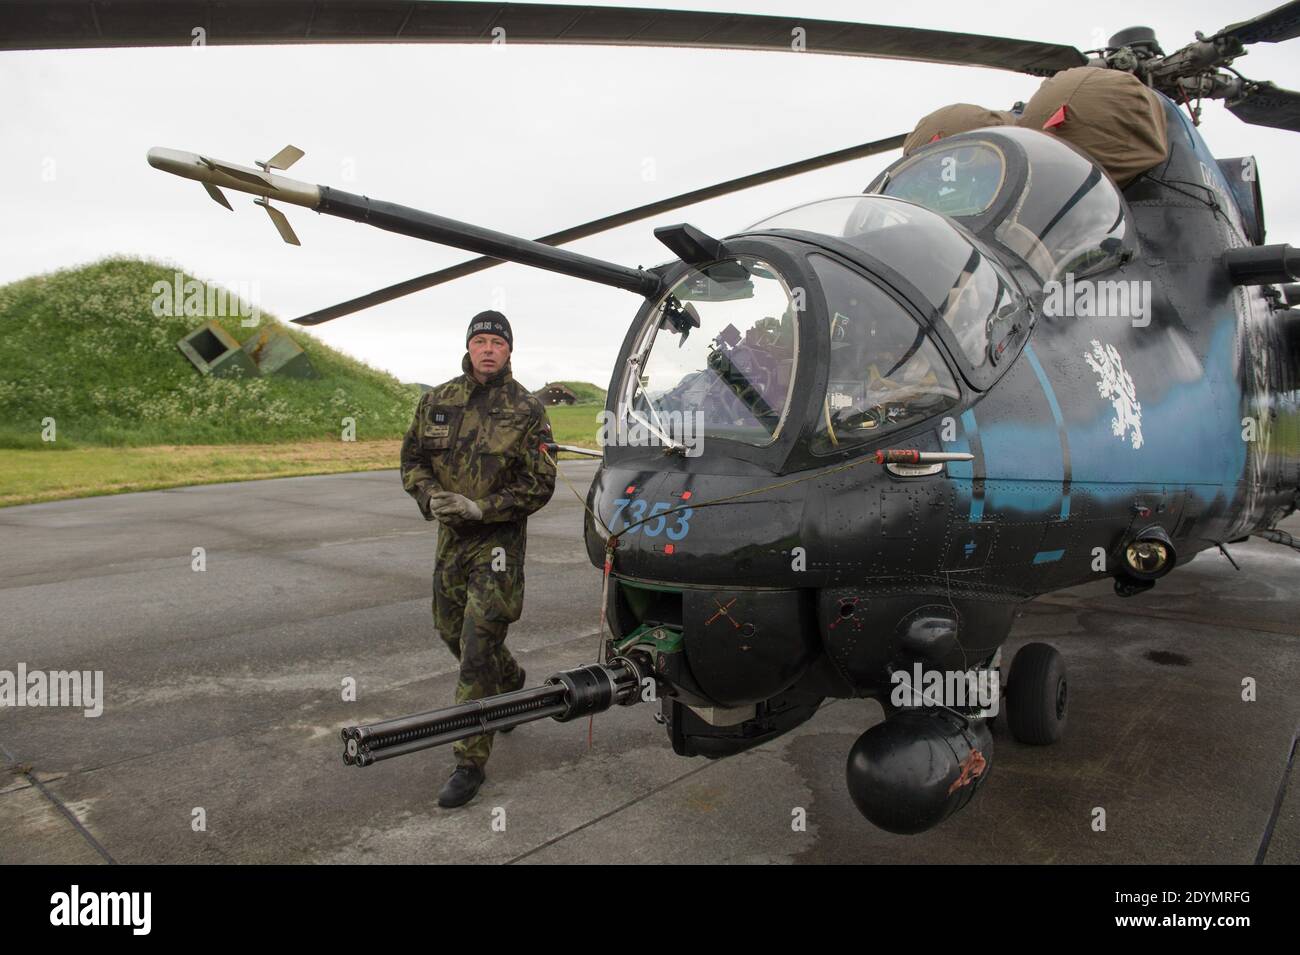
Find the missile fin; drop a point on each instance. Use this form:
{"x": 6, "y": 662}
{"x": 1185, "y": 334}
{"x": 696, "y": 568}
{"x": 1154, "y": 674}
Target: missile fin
{"x": 218, "y": 196}
{"x": 247, "y": 175}
{"x": 281, "y": 223}
{"x": 285, "y": 158}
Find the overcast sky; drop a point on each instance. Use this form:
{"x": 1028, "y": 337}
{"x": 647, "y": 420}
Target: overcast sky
{"x": 522, "y": 139}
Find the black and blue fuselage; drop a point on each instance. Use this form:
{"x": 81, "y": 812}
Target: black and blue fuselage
{"x": 1125, "y": 382}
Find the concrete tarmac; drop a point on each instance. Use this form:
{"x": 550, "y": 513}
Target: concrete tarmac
{"x": 223, "y": 697}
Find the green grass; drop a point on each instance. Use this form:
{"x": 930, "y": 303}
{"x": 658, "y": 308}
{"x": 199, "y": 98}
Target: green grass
{"x": 28, "y": 476}
{"x": 575, "y": 424}
{"x": 84, "y": 347}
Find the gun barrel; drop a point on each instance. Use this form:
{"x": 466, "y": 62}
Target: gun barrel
{"x": 592, "y": 688}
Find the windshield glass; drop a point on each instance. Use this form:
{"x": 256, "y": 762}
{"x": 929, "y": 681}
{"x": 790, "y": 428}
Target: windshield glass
{"x": 973, "y": 294}
{"x": 960, "y": 181}
{"x": 1070, "y": 217}
{"x": 716, "y": 358}
{"x": 884, "y": 373}
{"x": 1067, "y": 217}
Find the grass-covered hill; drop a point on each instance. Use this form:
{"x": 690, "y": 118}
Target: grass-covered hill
{"x": 587, "y": 392}
{"x": 84, "y": 347}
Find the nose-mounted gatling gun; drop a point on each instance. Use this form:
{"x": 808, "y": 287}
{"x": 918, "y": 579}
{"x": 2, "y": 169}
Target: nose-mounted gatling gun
{"x": 568, "y": 695}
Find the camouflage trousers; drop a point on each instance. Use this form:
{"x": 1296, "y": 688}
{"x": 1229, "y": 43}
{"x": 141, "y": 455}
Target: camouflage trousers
{"x": 478, "y": 591}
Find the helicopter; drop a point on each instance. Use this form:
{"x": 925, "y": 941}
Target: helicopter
{"x": 848, "y": 442}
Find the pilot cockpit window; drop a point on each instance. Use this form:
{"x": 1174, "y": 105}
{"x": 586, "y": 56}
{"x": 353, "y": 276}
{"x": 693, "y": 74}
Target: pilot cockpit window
{"x": 960, "y": 181}
{"x": 884, "y": 373}
{"x": 1069, "y": 217}
{"x": 971, "y": 292}
{"x": 1064, "y": 215}
{"x": 717, "y": 358}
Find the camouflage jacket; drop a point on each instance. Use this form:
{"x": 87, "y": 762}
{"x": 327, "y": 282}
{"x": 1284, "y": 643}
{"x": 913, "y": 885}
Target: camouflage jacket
{"x": 482, "y": 441}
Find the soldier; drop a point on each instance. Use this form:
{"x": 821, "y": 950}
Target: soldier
{"x": 472, "y": 460}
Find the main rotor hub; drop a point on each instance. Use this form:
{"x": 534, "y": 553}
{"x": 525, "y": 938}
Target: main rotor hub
{"x": 1141, "y": 40}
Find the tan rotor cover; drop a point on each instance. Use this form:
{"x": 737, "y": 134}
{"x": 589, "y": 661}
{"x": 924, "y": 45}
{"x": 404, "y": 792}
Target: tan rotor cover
{"x": 950, "y": 120}
{"x": 1109, "y": 114}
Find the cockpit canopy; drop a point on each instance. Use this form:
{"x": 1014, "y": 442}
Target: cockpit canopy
{"x": 869, "y": 300}
{"x": 884, "y": 301}
{"x": 1025, "y": 190}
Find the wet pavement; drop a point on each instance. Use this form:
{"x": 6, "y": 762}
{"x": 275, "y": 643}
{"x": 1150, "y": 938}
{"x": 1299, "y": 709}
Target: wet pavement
{"x": 223, "y": 697}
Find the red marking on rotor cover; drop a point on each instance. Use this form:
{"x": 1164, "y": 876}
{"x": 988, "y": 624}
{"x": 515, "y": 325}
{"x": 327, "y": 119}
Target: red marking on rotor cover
{"x": 1057, "y": 118}
{"x": 935, "y": 138}
{"x": 972, "y": 768}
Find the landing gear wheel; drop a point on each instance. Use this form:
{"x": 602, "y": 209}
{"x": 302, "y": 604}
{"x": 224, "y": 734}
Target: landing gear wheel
{"x": 1036, "y": 695}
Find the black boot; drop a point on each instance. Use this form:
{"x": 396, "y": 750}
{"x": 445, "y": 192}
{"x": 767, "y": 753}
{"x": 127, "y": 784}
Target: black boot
{"x": 523, "y": 678}
{"x": 461, "y": 787}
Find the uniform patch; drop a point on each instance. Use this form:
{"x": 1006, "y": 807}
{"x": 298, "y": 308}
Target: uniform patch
{"x": 438, "y": 427}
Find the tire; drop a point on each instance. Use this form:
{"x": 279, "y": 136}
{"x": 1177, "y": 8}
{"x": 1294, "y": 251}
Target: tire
{"x": 1037, "y": 696}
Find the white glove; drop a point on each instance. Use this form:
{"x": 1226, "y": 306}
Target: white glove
{"x": 445, "y": 504}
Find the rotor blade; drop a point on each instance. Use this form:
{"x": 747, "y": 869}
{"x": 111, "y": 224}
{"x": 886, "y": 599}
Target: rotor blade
{"x": 53, "y": 24}
{"x": 604, "y": 224}
{"x": 1269, "y": 105}
{"x": 1272, "y": 27}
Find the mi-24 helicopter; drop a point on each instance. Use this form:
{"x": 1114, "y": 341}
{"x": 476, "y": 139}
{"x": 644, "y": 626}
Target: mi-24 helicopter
{"x": 1012, "y": 365}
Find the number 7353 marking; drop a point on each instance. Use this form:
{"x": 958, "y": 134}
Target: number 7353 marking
{"x": 634, "y": 511}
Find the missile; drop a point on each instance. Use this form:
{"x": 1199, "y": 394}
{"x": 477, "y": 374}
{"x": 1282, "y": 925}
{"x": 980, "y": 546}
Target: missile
{"x": 217, "y": 174}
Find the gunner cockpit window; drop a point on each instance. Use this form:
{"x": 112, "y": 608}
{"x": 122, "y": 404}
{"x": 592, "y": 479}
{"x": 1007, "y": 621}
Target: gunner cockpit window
{"x": 717, "y": 358}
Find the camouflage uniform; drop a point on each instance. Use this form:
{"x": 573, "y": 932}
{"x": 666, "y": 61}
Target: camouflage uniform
{"x": 482, "y": 441}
